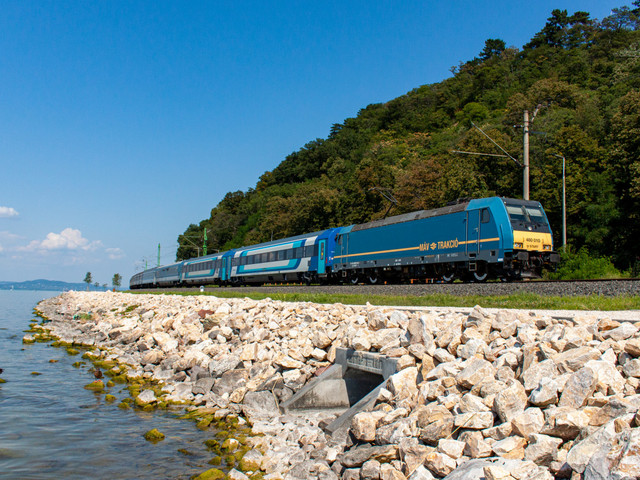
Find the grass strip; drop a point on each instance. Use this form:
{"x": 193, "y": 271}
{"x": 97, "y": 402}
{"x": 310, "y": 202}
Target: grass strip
{"x": 516, "y": 300}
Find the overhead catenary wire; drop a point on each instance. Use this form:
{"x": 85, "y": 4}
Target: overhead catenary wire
{"x": 484, "y": 154}
{"x": 497, "y": 145}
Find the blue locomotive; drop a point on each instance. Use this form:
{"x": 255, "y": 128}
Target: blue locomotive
{"x": 469, "y": 240}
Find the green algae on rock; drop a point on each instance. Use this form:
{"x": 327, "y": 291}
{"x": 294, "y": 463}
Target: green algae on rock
{"x": 154, "y": 435}
{"x": 110, "y": 398}
{"x": 96, "y": 386}
{"x": 211, "y": 474}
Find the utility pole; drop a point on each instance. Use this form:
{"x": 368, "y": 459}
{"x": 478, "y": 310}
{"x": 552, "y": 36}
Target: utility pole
{"x": 525, "y": 167}
{"x": 158, "y": 254}
{"x": 204, "y": 246}
{"x": 525, "y": 155}
{"x": 564, "y": 204}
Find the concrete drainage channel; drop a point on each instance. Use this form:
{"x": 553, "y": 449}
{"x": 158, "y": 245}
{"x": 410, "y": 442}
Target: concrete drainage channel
{"x": 350, "y": 385}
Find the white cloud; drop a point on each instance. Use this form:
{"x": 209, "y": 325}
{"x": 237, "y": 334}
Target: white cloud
{"x": 68, "y": 239}
{"x": 8, "y": 212}
{"x": 114, "y": 253}
{"x": 9, "y": 237}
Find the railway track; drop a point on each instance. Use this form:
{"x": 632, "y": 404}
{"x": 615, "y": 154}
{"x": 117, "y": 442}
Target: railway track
{"x": 609, "y": 288}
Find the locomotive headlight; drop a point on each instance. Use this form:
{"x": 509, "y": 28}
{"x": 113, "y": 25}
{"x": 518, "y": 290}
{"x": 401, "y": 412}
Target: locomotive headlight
{"x": 517, "y": 245}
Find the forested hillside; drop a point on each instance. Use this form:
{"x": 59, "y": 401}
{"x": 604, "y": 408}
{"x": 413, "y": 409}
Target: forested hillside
{"x": 581, "y": 74}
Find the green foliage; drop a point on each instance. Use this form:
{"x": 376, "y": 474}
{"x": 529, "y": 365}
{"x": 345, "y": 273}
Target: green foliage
{"x": 88, "y": 279}
{"x": 117, "y": 280}
{"x": 581, "y": 75}
{"x": 580, "y": 265}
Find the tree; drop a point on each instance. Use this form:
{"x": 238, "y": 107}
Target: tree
{"x": 564, "y": 31}
{"x": 578, "y": 70}
{"x": 117, "y": 280}
{"x": 492, "y": 47}
{"x": 88, "y": 279}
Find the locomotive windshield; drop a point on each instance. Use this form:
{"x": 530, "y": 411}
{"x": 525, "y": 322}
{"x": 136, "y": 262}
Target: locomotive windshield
{"x": 527, "y": 217}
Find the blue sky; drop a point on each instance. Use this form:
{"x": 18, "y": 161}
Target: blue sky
{"x": 122, "y": 122}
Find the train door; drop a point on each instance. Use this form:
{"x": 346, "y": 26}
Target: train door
{"x": 322, "y": 247}
{"x": 224, "y": 274}
{"x": 473, "y": 231}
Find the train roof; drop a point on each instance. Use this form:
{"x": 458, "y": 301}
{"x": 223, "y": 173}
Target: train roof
{"x": 459, "y": 206}
{"x": 409, "y": 217}
{"x": 283, "y": 240}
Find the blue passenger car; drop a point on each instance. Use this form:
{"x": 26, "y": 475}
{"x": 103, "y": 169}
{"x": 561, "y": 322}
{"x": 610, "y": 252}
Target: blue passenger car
{"x": 145, "y": 279}
{"x": 203, "y": 270}
{"x": 303, "y": 258}
{"x": 168, "y": 275}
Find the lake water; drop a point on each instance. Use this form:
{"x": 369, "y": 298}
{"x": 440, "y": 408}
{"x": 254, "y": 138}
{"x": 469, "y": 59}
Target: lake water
{"x": 52, "y": 428}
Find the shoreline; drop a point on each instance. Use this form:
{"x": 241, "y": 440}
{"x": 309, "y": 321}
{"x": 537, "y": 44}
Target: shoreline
{"x": 476, "y": 391}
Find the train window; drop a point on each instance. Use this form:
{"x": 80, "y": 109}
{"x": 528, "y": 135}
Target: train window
{"x": 272, "y": 256}
{"x": 535, "y": 214}
{"x": 516, "y": 214}
{"x": 485, "y": 215}
{"x": 280, "y": 254}
{"x": 297, "y": 252}
{"x": 308, "y": 251}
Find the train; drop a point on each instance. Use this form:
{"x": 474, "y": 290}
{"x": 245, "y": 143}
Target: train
{"x": 470, "y": 240}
